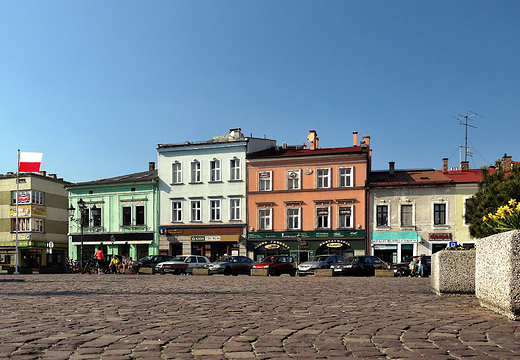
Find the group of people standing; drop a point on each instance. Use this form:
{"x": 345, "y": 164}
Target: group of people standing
{"x": 417, "y": 267}
{"x": 116, "y": 266}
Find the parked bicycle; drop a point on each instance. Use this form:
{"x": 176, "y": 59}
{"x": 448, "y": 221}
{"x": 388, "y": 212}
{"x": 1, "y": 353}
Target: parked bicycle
{"x": 70, "y": 266}
{"x": 90, "y": 265}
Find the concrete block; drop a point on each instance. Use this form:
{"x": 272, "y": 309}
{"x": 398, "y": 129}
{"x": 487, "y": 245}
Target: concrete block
{"x": 384, "y": 272}
{"x": 259, "y": 272}
{"x": 453, "y": 272}
{"x": 200, "y": 271}
{"x": 323, "y": 272}
{"x": 497, "y": 277}
{"x": 145, "y": 270}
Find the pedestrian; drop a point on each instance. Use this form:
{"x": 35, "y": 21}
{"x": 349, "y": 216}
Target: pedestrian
{"x": 421, "y": 266}
{"x": 100, "y": 259}
{"x": 413, "y": 267}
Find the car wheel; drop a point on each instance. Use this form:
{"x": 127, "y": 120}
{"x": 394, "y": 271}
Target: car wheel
{"x": 359, "y": 272}
{"x": 227, "y": 271}
{"x": 293, "y": 272}
{"x": 162, "y": 271}
{"x": 273, "y": 272}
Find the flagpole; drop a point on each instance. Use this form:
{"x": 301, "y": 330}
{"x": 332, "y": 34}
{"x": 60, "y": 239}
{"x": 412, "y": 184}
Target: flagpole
{"x": 16, "y": 224}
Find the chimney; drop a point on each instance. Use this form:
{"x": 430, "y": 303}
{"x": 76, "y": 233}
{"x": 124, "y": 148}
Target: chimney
{"x": 151, "y": 166}
{"x": 366, "y": 140}
{"x": 236, "y": 133}
{"x": 506, "y": 163}
{"x": 464, "y": 165}
{"x": 391, "y": 166}
{"x": 54, "y": 176}
{"x": 445, "y": 165}
{"x": 355, "y": 138}
{"x": 43, "y": 173}
{"x": 313, "y": 139}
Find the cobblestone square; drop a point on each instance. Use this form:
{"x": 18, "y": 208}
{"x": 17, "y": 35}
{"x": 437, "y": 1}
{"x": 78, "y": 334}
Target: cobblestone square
{"x": 74, "y": 316}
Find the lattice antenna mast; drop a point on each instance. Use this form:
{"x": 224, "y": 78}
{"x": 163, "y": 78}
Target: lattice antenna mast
{"x": 463, "y": 120}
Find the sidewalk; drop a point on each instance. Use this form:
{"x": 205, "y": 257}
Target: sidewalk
{"x": 77, "y": 316}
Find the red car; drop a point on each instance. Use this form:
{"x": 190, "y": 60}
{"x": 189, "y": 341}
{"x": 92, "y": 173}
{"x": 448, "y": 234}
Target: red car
{"x": 278, "y": 264}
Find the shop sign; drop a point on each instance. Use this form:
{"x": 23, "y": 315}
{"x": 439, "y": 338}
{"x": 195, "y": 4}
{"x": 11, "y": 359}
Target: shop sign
{"x": 264, "y": 175}
{"x": 173, "y": 231}
{"x": 440, "y": 236}
{"x": 271, "y": 243}
{"x": 345, "y": 210}
{"x": 22, "y": 236}
{"x": 394, "y": 241}
{"x": 334, "y": 245}
{"x": 205, "y": 238}
{"x": 292, "y": 235}
{"x": 272, "y": 246}
{"x": 28, "y": 243}
{"x": 233, "y": 238}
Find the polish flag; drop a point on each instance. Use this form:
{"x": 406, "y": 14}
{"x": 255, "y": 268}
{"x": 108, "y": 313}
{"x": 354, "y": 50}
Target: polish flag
{"x": 30, "y": 161}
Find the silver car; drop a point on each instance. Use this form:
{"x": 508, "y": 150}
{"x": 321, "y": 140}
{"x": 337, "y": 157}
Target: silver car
{"x": 318, "y": 262}
{"x": 182, "y": 264}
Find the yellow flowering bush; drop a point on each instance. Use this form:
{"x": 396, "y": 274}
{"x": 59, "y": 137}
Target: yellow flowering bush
{"x": 506, "y": 218}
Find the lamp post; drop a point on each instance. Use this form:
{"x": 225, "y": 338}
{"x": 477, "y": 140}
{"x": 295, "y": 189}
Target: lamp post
{"x": 299, "y": 240}
{"x": 82, "y": 221}
{"x": 112, "y": 240}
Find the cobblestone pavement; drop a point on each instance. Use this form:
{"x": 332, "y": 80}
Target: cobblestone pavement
{"x": 77, "y": 316}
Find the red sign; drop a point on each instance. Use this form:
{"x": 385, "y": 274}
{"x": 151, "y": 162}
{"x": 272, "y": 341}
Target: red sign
{"x": 24, "y": 198}
{"x": 440, "y": 236}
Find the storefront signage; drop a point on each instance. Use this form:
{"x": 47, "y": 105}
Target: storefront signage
{"x": 28, "y": 210}
{"x": 394, "y": 241}
{"x": 335, "y": 243}
{"x": 28, "y": 243}
{"x": 440, "y": 236}
{"x": 207, "y": 238}
{"x": 22, "y": 236}
{"x": 271, "y": 243}
{"x": 272, "y": 246}
{"x": 292, "y": 235}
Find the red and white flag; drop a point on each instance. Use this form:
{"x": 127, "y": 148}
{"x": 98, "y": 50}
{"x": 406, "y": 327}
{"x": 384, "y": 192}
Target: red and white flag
{"x": 30, "y": 161}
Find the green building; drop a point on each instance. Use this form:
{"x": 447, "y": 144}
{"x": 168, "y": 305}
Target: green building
{"x": 119, "y": 214}
{"x": 42, "y": 220}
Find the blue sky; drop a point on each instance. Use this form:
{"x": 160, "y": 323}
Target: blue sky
{"x": 96, "y": 85}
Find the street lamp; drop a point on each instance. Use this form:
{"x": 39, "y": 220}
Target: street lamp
{"x": 299, "y": 239}
{"x": 81, "y": 221}
{"x": 112, "y": 240}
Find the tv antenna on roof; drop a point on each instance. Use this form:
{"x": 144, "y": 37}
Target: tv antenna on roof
{"x": 463, "y": 120}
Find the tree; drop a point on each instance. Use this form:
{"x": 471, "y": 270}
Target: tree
{"x": 494, "y": 190}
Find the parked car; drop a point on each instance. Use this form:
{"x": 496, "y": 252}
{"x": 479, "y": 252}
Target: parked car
{"x": 182, "y": 264}
{"x": 318, "y": 262}
{"x": 278, "y": 264}
{"x": 403, "y": 268}
{"x": 231, "y": 265}
{"x": 151, "y": 261}
{"x": 359, "y": 266}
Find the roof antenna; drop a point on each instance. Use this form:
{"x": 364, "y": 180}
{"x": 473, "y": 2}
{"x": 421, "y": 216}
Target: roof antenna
{"x": 463, "y": 120}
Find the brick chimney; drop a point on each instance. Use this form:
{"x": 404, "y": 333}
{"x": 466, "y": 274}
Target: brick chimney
{"x": 391, "y": 166}
{"x": 355, "y": 138}
{"x": 366, "y": 140}
{"x": 313, "y": 139}
{"x": 445, "y": 165}
{"x": 464, "y": 165}
{"x": 151, "y": 166}
{"x": 43, "y": 173}
{"x": 506, "y": 163}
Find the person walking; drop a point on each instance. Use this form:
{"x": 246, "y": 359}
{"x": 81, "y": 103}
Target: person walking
{"x": 100, "y": 259}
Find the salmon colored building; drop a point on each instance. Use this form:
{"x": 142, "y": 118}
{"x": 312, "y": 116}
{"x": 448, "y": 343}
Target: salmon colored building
{"x": 308, "y": 201}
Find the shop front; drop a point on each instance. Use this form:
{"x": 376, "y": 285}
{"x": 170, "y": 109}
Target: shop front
{"x": 394, "y": 246}
{"x": 134, "y": 245}
{"x": 440, "y": 241}
{"x": 212, "y": 242}
{"x": 304, "y": 245}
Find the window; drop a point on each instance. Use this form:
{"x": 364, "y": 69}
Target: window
{"x": 323, "y": 217}
{"x": 293, "y": 179}
{"x": 214, "y": 167}
{"x": 293, "y": 219}
{"x": 176, "y": 211}
{"x": 345, "y": 219}
{"x": 196, "y": 211}
{"x": 345, "y": 177}
{"x": 176, "y": 173}
{"x": 406, "y": 215}
{"x": 28, "y": 225}
{"x": 127, "y": 215}
{"x": 195, "y": 172}
{"x": 322, "y": 178}
{"x": 139, "y": 215}
{"x": 96, "y": 217}
{"x": 215, "y": 206}
{"x": 235, "y": 169}
{"x": 28, "y": 197}
{"x": 264, "y": 180}
{"x": 382, "y": 215}
{"x": 264, "y": 219}
{"x": 234, "y": 209}
{"x": 439, "y": 214}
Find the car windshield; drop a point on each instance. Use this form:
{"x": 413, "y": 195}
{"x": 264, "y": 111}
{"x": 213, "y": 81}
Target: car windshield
{"x": 146, "y": 258}
{"x": 226, "y": 259}
{"x": 351, "y": 260}
{"x": 179, "y": 258}
{"x": 320, "y": 258}
{"x": 269, "y": 259}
